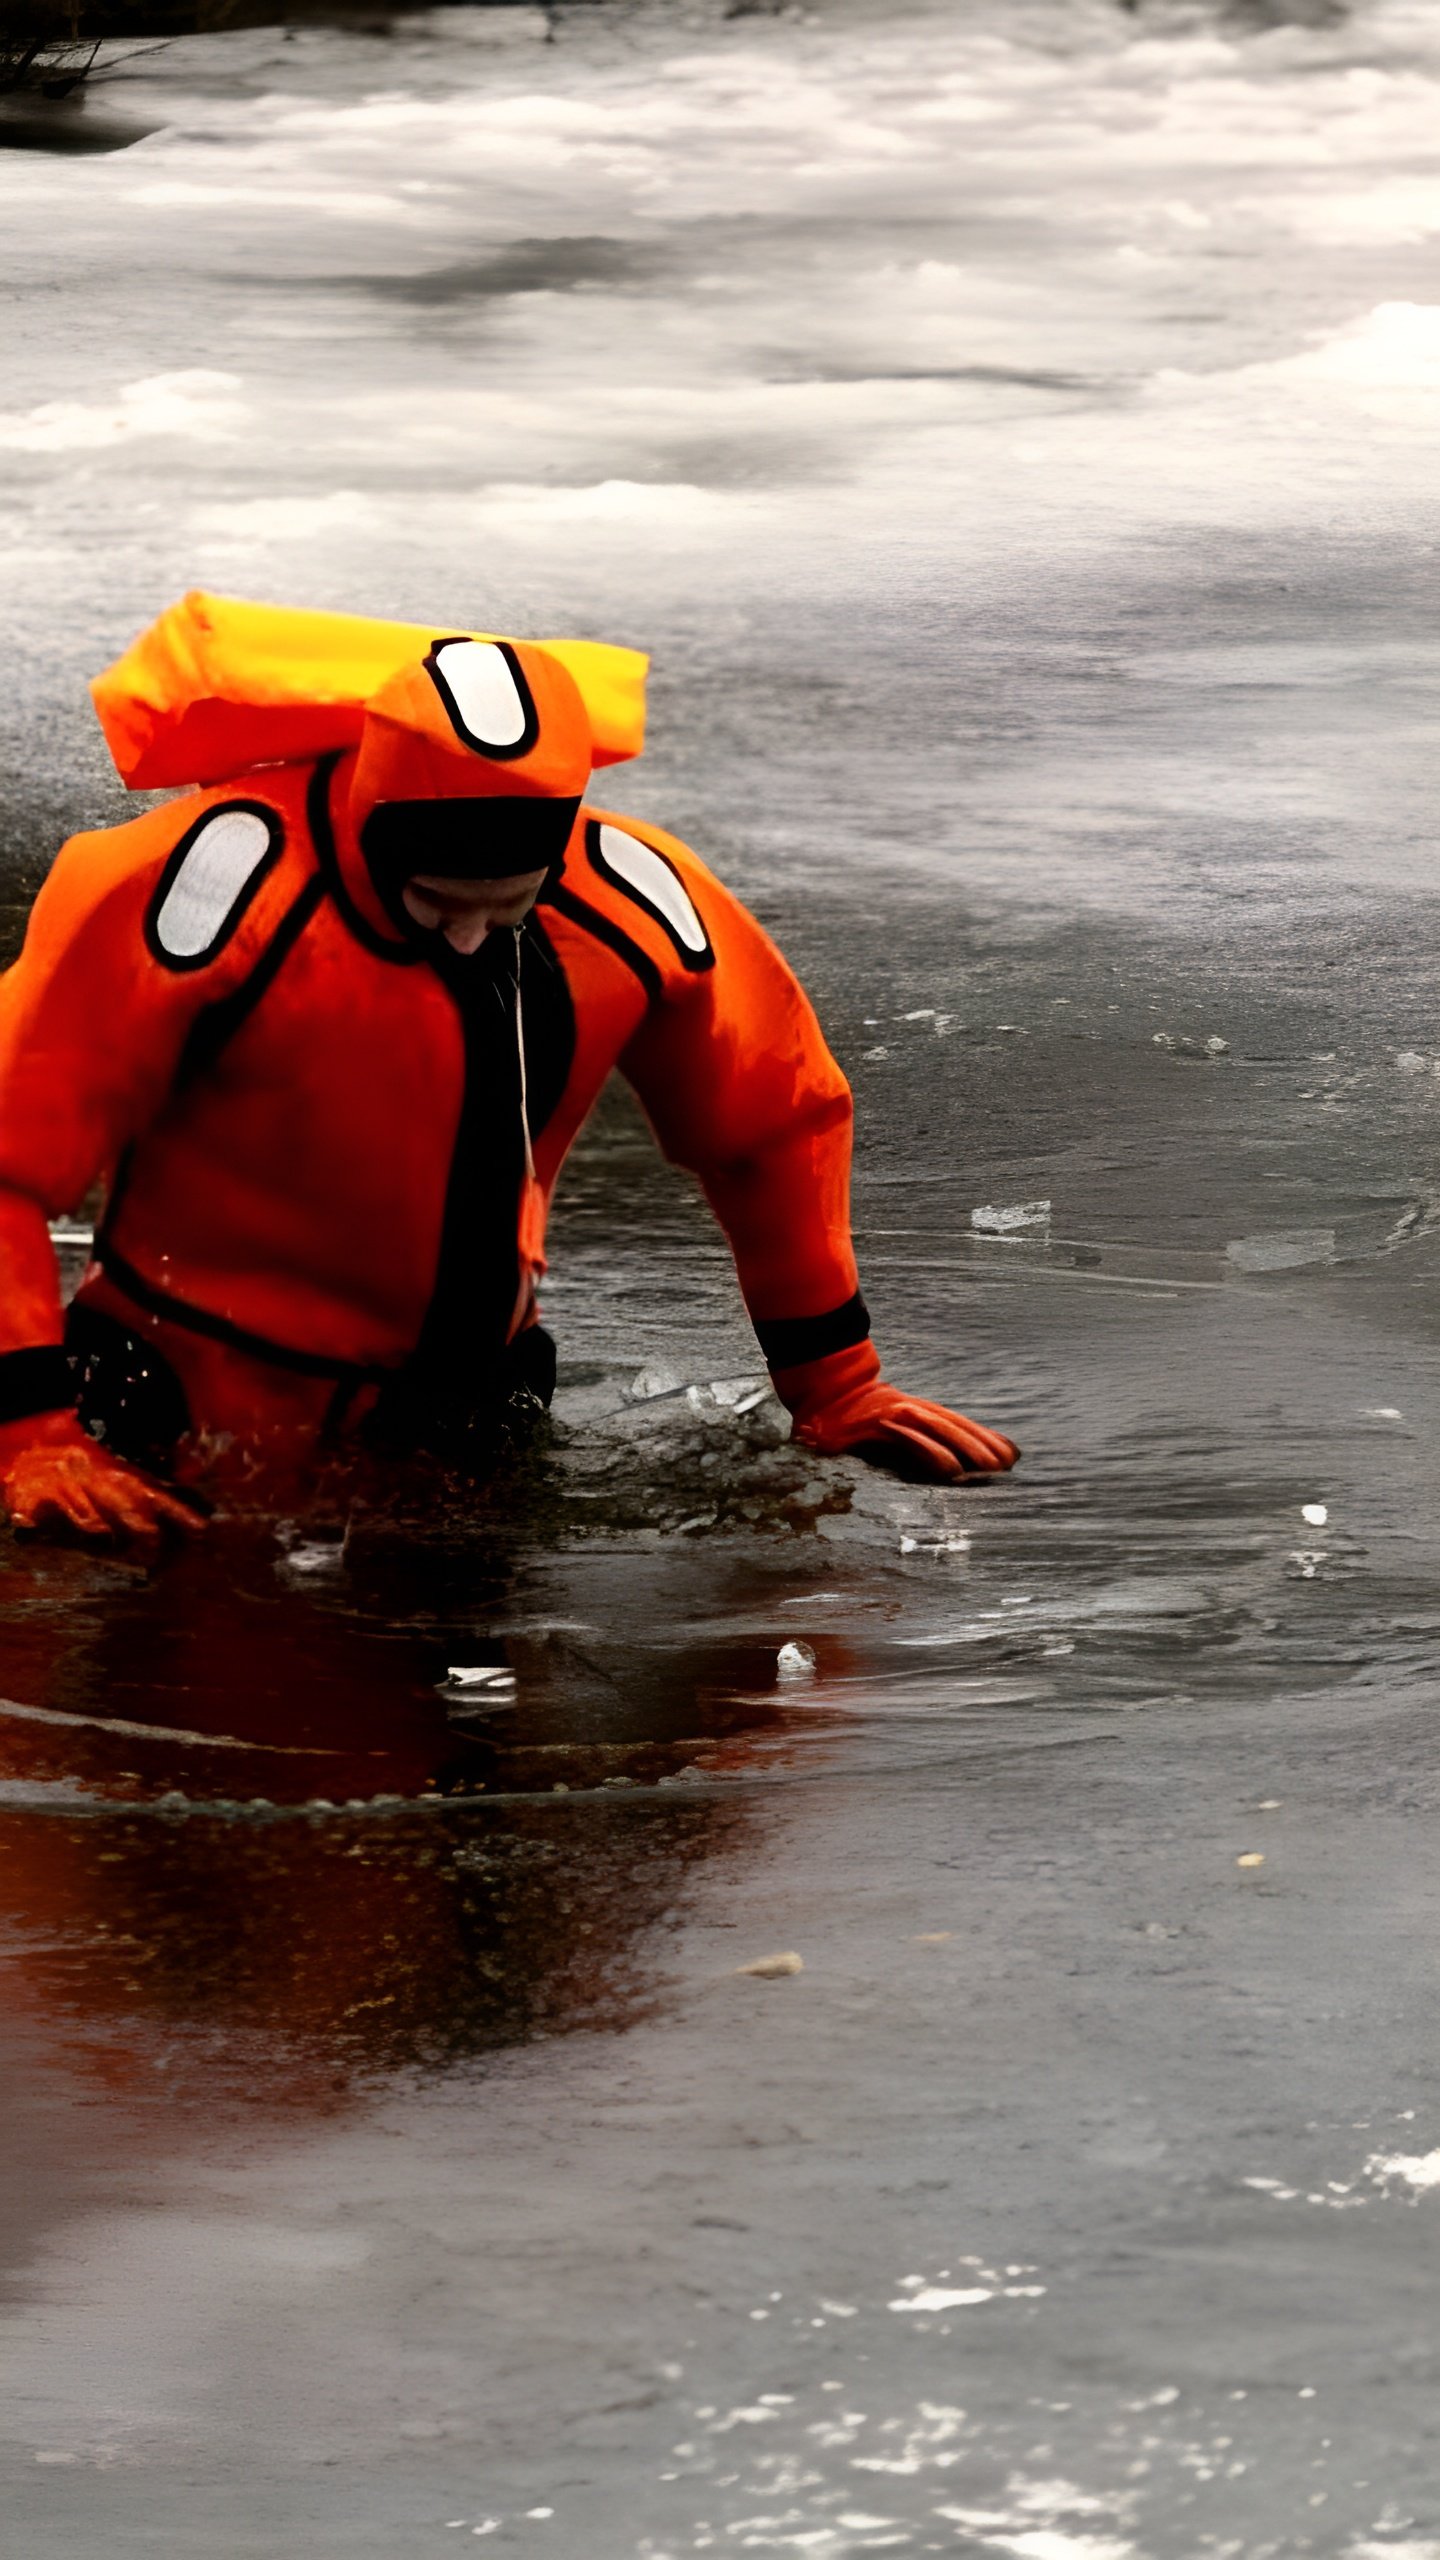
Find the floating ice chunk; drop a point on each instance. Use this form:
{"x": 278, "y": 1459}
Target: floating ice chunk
{"x": 1419, "y": 2170}
{"x": 1381, "y": 1413}
{"x": 322, "y": 1556}
{"x": 1179, "y": 1045}
{"x": 1017, "y": 1217}
{"x": 1282, "y": 1249}
{"x": 479, "y": 1676}
{"x": 935, "y": 2297}
{"x": 1411, "y": 1062}
{"x": 1315, "y": 1512}
{"x": 795, "y": 1661}
{"x": 957, "y": 1544}
{"x": 773, "y": 1968}
{"x": 875, "y": 1053}
{"x": 656, "y": 1380}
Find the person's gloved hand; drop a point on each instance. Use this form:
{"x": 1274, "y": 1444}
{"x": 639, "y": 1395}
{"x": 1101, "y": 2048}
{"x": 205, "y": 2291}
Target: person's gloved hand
{"x": 842, "y": 1403}
{"x": 56, "y": 1481}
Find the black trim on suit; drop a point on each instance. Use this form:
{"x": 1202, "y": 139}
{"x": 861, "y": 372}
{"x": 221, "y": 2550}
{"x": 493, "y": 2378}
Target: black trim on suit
{"x": 788, "y": 1342}
{"x": 36, "y": 1380}
{"x": 476, "y": 839}
{"x": 322, "y": 836}
{"x": 477, "y": 1272}
{"x": 590, "y": 921}
{"x": 218, "y": 1024}
{"x": 160, "y": 1302}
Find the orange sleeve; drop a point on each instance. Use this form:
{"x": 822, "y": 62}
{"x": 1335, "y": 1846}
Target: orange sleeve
{"x": 92, "y": 1027}
{"x": 738, "y": 1084}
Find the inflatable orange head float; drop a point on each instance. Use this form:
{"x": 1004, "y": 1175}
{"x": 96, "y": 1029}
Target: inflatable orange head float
{"x": 472, "y": 751}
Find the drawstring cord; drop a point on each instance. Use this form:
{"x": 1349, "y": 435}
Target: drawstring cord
{"x": 530, "y": 1236}
{"x": 520, "y": 1047}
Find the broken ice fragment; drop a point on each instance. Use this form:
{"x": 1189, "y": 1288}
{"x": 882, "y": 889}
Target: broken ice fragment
{"x": 1315, "y": 1512}
{"x": 934, "y": 2297}
{"x": 1181, "y": 1046}
{"x": 657, "y": 1380}
{"x": 312, "y": 1557}
{"x": 1017, "y": 1217}
{"x": 738, "y": 1393}
{"x": 462, "y": 1675}
{"x": 773, "y": 1968}
{"x": 1419, "y": 2170}
{"x": 795, "y": 1661}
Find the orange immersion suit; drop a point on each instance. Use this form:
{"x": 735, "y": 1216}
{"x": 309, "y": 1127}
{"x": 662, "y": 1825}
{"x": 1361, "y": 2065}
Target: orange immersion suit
{"x": 329, "y": 1140}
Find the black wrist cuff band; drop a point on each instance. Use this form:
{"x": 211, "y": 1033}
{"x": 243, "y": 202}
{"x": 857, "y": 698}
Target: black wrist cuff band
{"x": 788, "y": 1342}
{"x": 35, "y": 1381}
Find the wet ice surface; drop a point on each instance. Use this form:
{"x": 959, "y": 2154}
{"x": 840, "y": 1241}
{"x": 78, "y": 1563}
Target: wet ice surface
{"x": 1010, "y": 431}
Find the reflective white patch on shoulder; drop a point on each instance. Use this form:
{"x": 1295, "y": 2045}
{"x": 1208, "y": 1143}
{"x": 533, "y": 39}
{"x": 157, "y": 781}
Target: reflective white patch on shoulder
{"x": 640, "y": 868}
{"x": 218, "y": 865}
{"x": 482, "y": 694}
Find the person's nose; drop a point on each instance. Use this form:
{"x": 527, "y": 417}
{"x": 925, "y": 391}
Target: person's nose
{"x": 466, "y": 933}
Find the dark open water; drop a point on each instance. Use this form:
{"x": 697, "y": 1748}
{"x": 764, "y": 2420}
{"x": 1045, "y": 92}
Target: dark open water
{"x": 1012, "y": 431}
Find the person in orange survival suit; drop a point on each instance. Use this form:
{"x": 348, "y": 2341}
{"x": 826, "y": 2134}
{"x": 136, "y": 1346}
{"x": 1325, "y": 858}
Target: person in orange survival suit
{"x": 328, "y": 1033}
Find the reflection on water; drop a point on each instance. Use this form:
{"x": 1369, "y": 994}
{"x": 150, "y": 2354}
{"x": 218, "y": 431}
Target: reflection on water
{"x": 274, "y": 1962}
{"x": 393, "y": 1788}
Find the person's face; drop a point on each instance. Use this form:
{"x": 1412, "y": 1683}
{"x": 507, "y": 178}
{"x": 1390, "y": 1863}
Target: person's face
{"x": 466, "y": 910}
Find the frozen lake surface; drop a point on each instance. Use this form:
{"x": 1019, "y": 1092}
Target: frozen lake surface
{"x": 1011, "y": 429}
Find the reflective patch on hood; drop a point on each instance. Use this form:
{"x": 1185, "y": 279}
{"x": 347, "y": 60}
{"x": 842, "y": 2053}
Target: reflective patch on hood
{"x": 483, "y": 688}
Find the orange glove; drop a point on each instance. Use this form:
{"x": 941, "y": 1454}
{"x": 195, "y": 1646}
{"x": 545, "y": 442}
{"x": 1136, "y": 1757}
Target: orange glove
{"x": 842, "y": 1403}
{"x": 58, "y": 1482}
